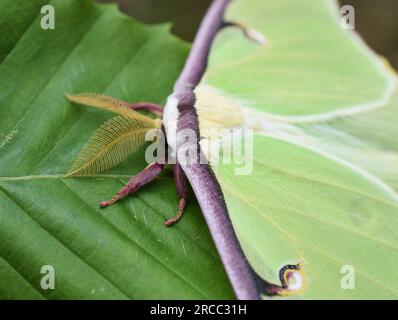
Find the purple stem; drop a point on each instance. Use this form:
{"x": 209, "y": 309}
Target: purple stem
{"x": 201, "y": 177}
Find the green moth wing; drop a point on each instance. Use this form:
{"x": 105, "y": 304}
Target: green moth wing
{"x": 323, "y": 185}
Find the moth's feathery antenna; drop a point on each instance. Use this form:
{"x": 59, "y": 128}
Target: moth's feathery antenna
{"x": 118, "y": 106}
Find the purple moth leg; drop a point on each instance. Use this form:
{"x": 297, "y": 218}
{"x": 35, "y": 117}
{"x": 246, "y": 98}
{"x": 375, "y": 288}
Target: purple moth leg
{"x": 136, "y": 182}
{"x": 182, "y": 194}
{"x": 148, "y": 106}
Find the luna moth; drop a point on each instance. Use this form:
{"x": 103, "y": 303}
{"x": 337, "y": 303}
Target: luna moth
{"x": 307, "y": 201}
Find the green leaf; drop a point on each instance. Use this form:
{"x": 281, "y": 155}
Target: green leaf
{"x": 48, "y": 219}
{"x": 324, "y": 185}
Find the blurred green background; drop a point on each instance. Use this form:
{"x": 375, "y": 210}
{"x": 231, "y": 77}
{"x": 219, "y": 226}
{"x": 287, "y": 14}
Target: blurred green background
{"x": 376, "y": 20}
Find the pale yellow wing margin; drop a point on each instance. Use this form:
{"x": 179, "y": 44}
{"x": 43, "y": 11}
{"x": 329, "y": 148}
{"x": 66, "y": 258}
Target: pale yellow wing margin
{"x": 110, "y": 144}
{"x": 113, "y": 105}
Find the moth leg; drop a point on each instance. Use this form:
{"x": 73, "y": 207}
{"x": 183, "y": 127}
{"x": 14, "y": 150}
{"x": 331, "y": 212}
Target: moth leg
{"x": 148, "y": 106}
{"x": 250, "y": 33}
{"x": 136, "y": 182}
{"x": 182, "y": 193}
